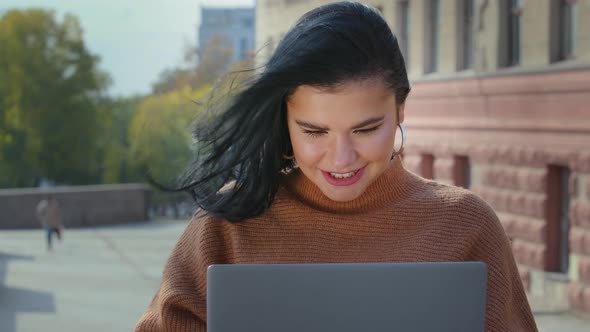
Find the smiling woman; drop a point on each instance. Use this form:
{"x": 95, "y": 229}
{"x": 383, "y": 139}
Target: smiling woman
{"x": 302, "y": 166}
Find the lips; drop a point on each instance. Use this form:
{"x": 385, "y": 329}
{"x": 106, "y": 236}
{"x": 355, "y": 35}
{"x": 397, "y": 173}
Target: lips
{"x": 344, "y": 179}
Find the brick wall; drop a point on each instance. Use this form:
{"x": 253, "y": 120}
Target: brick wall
{"x": 515, "y": 130}
{"x": 579, "y": 291}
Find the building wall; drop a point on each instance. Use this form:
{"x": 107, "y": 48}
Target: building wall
{"x": 512, "y": 130}
{"x": 508, "y": 128}
{"x": 80, "y": 205}
{"x": 275, "y": 17}
{"x": 417, "y": 30}
{"x": 487, "y": 35}
{"x": 235, "y": 26}
{"x": 448, "y": 34}
{"x": 536, "y": 51}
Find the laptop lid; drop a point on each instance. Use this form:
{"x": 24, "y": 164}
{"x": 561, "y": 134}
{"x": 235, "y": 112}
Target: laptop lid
{"x": 445, "y": 296}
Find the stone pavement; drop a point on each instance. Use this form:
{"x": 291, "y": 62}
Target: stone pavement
{"x": 102, "y": 279}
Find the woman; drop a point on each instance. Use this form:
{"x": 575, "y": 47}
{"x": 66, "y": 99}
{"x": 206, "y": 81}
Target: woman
{"x": 301, "y": 168}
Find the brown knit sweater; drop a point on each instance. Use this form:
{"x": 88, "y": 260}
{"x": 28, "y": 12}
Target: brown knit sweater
{"x": 400, "y": 218}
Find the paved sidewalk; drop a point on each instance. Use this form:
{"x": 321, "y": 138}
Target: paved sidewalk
{"x": 102, "y": 279}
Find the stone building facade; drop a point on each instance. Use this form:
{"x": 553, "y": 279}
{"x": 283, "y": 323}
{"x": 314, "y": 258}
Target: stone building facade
{"x": 500, "y": 104}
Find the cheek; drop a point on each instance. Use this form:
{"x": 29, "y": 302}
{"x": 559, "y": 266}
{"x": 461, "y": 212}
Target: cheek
{"x": 378, "y": 147}
{"x": 306, "y": 149}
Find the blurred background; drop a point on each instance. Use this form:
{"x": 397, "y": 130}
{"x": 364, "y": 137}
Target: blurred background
{"x": 101, "y": 92}
{"x": 95, "y": 94}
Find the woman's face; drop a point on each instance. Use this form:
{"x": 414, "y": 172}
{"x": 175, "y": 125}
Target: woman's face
{"x": 343, "y": 138}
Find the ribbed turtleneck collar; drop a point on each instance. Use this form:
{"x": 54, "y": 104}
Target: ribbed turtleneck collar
{"x": 394, "y": 184}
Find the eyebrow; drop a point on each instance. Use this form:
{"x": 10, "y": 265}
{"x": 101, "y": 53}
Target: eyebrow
{"x": 358, "y": 126}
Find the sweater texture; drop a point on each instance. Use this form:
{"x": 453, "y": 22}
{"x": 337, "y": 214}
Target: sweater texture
{"x": 401, "y": 217}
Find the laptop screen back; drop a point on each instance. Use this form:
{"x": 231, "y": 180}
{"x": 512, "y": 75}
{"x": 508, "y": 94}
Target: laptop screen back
{"x": 347, "y": 297}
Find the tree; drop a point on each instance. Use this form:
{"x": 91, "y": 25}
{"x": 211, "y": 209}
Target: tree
{"x": 213, "y": 61}
{"x": 159, "y": 135}
{"x": 50, "y": 90}
{"x": 170, "y": 80}
{"x": 115, "y": 141}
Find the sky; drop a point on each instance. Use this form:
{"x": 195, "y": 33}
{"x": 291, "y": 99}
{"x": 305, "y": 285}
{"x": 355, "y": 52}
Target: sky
{"x": 135, "y": 39}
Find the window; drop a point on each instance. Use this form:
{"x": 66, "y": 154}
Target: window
{"x": 247, "y": 23}
{"x": 567, "y": 29}
{"x": 432, "y": 51}
{"x": 211, "y": 20}
{"x": 461, "y": 171}
{"x": 557, "y": 233}
{"x": 466, "y": 44}
{"x": 427, "y": 166}
{"x": 403, "y": 28}
{"x": 512, "y": 14}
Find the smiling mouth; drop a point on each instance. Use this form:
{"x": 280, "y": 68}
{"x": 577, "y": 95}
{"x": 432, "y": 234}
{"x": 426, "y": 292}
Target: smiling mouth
{"x": 344, "y": 179}
{"x": 343, "y": 175}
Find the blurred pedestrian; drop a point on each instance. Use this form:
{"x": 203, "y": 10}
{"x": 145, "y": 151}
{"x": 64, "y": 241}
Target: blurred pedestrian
{"x": 49, "y": 214}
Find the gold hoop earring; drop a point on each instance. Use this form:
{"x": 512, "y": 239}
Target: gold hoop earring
{"x": 401, "y": 148}
{"x": 288, "y": 157}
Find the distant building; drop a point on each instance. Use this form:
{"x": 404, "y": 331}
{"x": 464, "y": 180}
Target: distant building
{"x": 234, "y": 26}
{"x": 499, "y": 104}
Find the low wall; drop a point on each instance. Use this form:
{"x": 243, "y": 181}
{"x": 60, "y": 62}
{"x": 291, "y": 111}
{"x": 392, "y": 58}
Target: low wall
{"x": 80, "y": 205}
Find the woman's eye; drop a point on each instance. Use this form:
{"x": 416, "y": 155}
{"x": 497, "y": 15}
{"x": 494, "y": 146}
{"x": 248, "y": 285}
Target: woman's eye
{"x": 366, "y": 131}
{"x": 314, "y": 133}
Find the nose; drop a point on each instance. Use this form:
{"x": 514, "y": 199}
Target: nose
{"x": 343, "y": 153}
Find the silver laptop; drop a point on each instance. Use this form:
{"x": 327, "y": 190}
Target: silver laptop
{"x": 371, "y": 297}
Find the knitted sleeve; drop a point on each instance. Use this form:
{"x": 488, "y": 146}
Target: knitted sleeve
{"x": 180, "y": 303}
{"x": 507, "y": 307}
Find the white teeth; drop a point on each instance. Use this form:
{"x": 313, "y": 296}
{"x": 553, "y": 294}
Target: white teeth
{"x": 343, "y": 175}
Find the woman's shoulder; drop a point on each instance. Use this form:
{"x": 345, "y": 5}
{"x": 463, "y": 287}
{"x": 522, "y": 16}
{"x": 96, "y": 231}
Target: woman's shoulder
{"x": 448, "y": 195}
{"x": 456, "y": 204}
{"x": 203, "y": 230}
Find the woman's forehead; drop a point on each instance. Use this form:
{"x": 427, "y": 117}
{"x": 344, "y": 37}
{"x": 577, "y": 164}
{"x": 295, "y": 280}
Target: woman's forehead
{"x": 363, "y": 96}
{"x": 342, "y": 87}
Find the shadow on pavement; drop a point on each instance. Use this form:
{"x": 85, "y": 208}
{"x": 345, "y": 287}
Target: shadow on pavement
{"x": 18, "y": 300}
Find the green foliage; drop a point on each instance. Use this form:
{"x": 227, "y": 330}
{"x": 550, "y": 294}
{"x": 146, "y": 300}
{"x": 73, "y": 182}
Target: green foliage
{"x": 56, "y": 124}
{"x": 116, "y": 166}
{"x": 170, "y": 80}
{"x": 50, "y": 89}
{"x": 159, "y": 135}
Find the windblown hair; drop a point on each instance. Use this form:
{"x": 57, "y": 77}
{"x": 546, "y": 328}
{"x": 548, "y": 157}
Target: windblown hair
{"x": 240, "y": 149}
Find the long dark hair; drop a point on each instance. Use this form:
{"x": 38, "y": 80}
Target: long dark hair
{"x": 240, "y": 150}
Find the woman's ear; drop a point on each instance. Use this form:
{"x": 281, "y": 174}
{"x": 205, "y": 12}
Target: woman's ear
{"x": 400, "y": 113}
